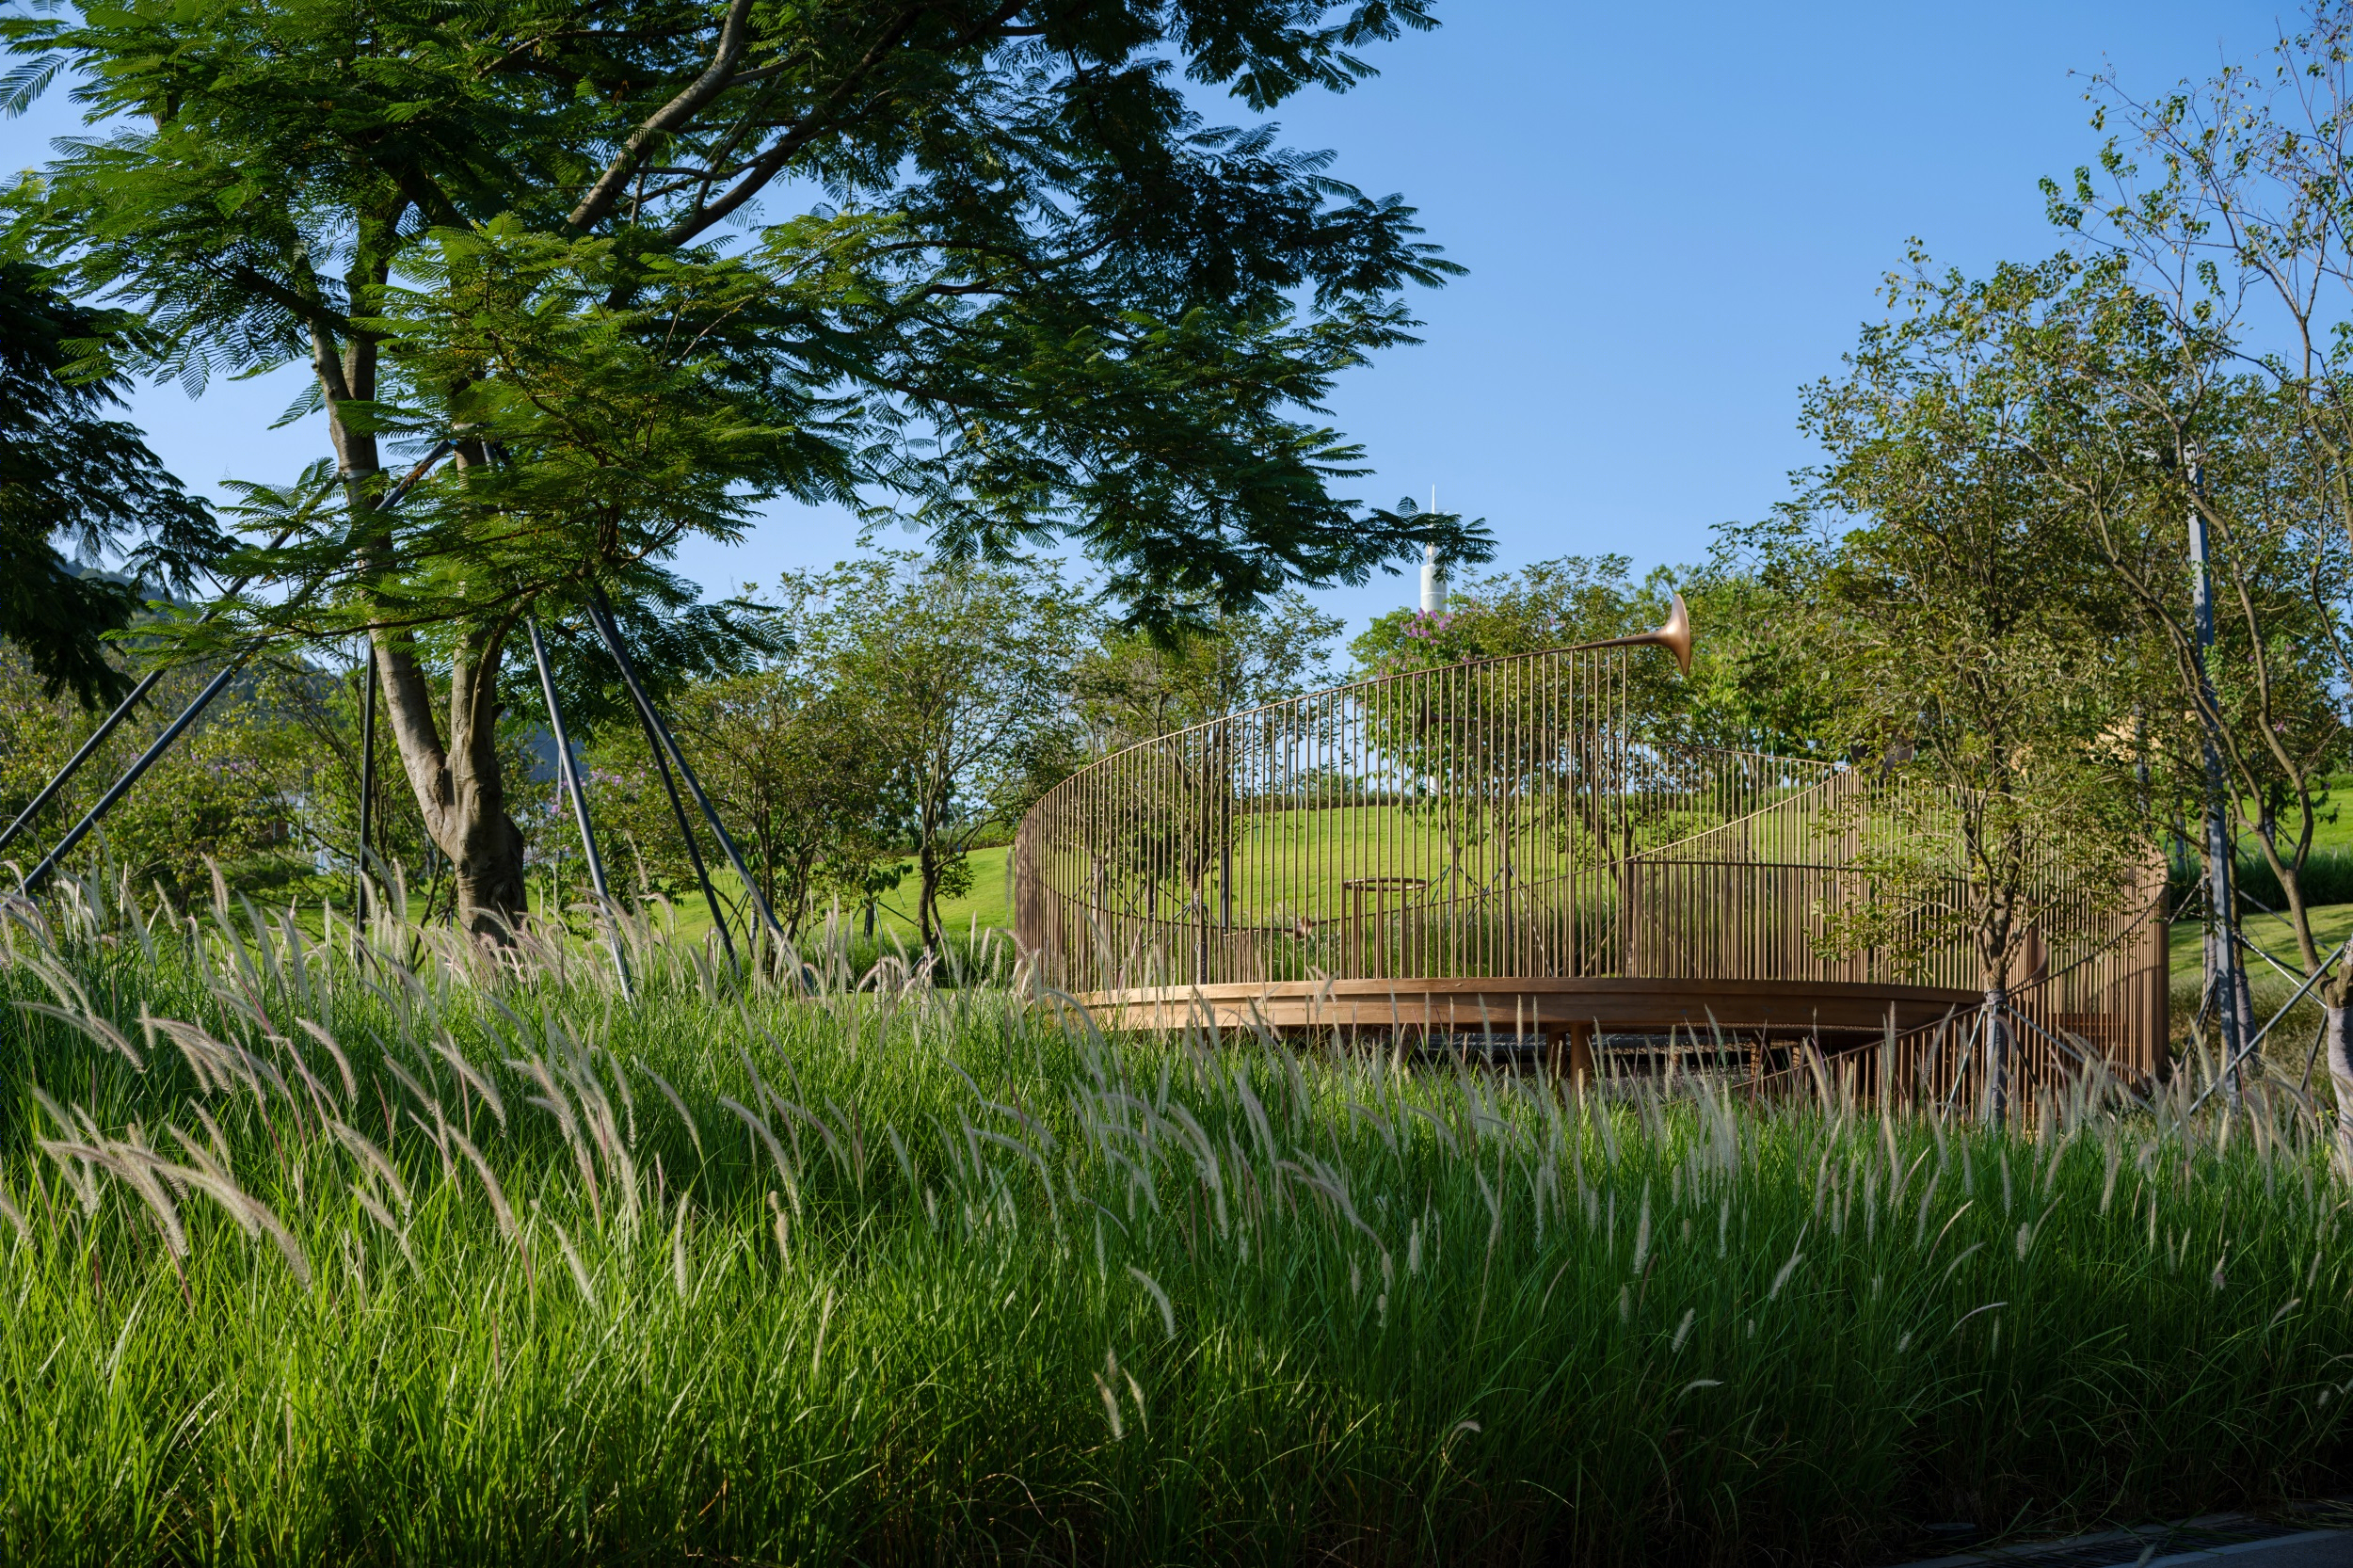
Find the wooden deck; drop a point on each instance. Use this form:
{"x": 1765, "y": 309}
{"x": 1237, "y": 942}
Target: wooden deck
{"x": 1538, "y": 1004}
{"x": 1507, "y": 847}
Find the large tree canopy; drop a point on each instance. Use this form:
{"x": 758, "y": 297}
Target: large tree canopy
{"x": 1000, "y": 273}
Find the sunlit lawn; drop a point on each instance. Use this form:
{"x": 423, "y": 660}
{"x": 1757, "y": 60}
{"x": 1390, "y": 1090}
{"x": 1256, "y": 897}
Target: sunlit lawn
{"x": 989, "y": 904}
{"x": 2289, "y": 1045}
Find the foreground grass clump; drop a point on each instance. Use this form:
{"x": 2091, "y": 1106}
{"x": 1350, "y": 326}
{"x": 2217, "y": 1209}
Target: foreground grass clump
{"x": 309, "y": 1256}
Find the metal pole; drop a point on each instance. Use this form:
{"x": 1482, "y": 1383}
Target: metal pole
{"x": 2249, "y": 1049}
{"x": 367, "y": 781}
{"x": 686, "y": 836}
{"x": 114, "y": 721}
{"x": 646, "y": 721}
{"x": 147, "y": 760}
{"x": 2220, "y": 892}
{"x": 146, "y": 684}
{"x": 570, "y": 771}
{"x": 98, "y": 738}
{"x": 602, "y": 613}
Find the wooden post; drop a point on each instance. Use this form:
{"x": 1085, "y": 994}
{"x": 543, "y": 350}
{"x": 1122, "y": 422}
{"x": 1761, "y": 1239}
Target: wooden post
{"x": 1570, "y": 1051}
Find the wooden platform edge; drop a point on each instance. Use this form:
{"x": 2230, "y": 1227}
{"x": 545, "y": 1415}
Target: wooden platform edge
{"x": 1506, "y": 1004}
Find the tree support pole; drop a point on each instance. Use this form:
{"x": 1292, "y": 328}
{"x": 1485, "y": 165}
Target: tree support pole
{"x": 131, "y": 776}
{"x": 163, "y": 743}
{"x": 113, "y": 722}
{"x": 570, "y": 772}
{"x": 74, "y": 763}
{"x": 2224, "y": 962}
{"x": 367, "y": 782}
{"x": 647, "y": 722}
{"x": 602, "y": 613}
{"x": 2256, "y": 1040}
{"x": 686, "y": 836}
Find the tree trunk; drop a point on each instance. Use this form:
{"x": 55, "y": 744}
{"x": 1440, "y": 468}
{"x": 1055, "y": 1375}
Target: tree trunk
{"x": 1994, "y": 1042}
{"x": 2336, "y": 1034}
{"x": 459, "y": 788}
{"x": 927, "y": 898}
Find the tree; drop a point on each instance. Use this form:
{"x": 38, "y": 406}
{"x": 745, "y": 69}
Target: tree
{"x": 2148, "y": 433}
{"x": 1975, "y": 650}
{"x": 1046, "y": 296}
{"x": 67, "y": 473}
{"x": 2240, "y": 261}
{"x": 965, "y": 671}
{"x": 805, "y": 771}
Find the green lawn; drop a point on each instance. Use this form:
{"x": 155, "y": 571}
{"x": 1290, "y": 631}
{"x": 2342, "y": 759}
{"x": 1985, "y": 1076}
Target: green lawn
{"x": 989, "y": 904}
{"x": 2332, "y": 827}
{"x": 2289, "y": 1045}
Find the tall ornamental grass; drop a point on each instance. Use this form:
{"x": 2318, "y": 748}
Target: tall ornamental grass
{"x": 376, "y": 1250}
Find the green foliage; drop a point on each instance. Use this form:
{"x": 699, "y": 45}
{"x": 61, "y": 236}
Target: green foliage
{"x": 804, "y": 776}
{"x": 1049, "y": 296}
{"x": 224, "y": 793}
{"x": 1575, "y": 598}
{"x": 963, "y": 673}
{"x": 612, "y": 433}
{"x": 1133, "y": 686}
{"x": 1043, "y": 298}
{"x": 1982, "y": 653}
{"x": 1755, "y": 682}
{"x": 67, "y": 473}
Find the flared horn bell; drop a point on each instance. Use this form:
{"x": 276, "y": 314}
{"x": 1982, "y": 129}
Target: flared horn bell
{"x": 1674, "y": 636}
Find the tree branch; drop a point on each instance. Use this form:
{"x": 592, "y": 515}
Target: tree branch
{"x": 602, "y": 197}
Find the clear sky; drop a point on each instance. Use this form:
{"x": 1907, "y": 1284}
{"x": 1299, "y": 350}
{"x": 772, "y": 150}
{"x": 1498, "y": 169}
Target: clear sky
{"x": 1674, "y": 218}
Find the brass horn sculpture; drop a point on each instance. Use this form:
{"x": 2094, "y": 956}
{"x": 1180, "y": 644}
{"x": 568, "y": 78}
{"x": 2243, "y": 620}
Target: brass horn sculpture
{"x": 1675, "y": 636}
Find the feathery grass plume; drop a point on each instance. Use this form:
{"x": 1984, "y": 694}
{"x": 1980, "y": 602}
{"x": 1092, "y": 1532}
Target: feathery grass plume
{"x": 374, "y": 1159}
{"x": 1160, "y": 1298}
{"x": 497, "y": 1194}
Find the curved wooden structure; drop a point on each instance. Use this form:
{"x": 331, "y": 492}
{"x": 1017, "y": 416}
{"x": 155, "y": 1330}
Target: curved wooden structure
{"x": 1523, "y": 847}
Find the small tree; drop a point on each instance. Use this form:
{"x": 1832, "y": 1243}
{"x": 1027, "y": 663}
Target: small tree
{"x": 2228, "y": 356}
{"x": 2148, "y": 431}
{"x": 802, "y": 770}
{"x": 965, "y": 671}
{"x": 1977, "y": 652}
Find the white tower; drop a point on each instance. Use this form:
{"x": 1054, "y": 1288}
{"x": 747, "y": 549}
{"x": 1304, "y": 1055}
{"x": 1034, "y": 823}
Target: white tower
{"x": 1433, "y": 577}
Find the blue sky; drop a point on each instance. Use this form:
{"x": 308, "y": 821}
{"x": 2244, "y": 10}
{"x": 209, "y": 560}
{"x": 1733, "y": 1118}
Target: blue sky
{"x": 1674, "y": 218}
